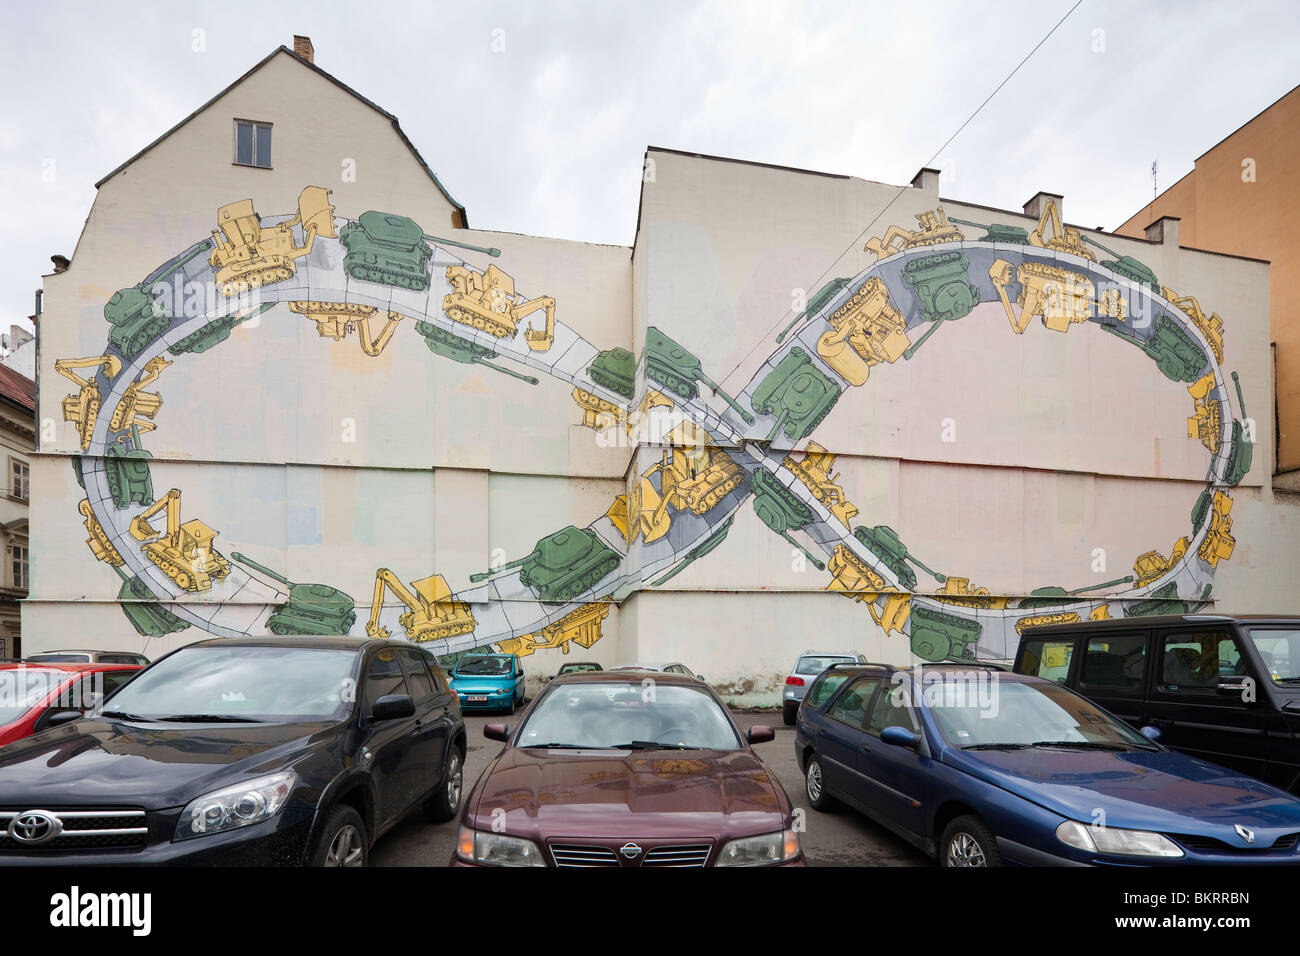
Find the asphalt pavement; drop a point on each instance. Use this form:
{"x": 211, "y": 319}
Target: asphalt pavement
{"x": 842, "y": 838}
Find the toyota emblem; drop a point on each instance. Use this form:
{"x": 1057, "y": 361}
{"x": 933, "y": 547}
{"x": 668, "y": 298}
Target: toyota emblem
{"x": 630, "y": 851}
{"x": 32, "y": 827}
{"x": 1245, "y": 833}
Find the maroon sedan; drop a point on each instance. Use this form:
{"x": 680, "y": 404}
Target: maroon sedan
{"x": 627, "y": 769}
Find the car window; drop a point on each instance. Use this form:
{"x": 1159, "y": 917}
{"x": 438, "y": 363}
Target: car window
{"x": 1195, "y": 660}
{"x": 1049, "y": 660}
{"x": 474, "y": 665}
{"x": 1115, "y": 661}
{"x": 417, "y": 675}
{"x": 815, "y": 664}
{"x": 851, "y": 706}
{"x": 1279, "y": 648}
{"x": 23, "y": 688}
{"x": 383, "y": 678}
{"x": 120, "y": 659}
{"x": 821, "y": 690}
{"x": 115, "y": 679}
{"x": 891, "y": 710}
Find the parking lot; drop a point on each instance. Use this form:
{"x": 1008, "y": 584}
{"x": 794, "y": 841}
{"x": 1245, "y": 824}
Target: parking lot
{"x": 843, "y": 838}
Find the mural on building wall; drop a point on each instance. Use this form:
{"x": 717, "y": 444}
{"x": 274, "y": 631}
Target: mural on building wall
{"x": 372, "y": 275}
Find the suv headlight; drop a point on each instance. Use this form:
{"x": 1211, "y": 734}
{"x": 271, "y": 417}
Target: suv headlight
{"x": 497, "y": 849}
{"x": 765, "y": 850}
{"x": 1113, "y": 840}
{"x": 238, "y": 806}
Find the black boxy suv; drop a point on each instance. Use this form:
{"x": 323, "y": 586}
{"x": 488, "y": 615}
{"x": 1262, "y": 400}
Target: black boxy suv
{"x": 1225, "y": 688}
{"x": 289, "y": 751}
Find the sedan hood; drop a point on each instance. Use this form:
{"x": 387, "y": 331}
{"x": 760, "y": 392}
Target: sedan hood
{"x": 694, "y": 794}
{"x": 105, "y": 762}
{"x": 1162, "y": 790}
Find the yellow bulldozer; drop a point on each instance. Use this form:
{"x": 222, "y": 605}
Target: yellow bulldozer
{"x": 184, "y": 552}
{"x": 487, "y": 301}
{"x": 137, "y": 402}
{"x": 1064, "y": 238}
{"x": 431, "y": 614}
{"x": 934, "y": 229}
{"x": 248, "y": 255}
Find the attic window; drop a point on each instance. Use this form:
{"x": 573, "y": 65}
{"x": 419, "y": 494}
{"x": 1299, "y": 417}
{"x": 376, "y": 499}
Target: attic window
{"x": 252, "y": 144}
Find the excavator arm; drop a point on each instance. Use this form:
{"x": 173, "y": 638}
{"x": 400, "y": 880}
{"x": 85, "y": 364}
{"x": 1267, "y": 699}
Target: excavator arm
{"x": 112, "y": 365}
{"x": 1049, "y": 217}
{"x": 1003, "y": 274}
{"x": 373, "y": 347}
{"x": 539, "y": 340}
{"x": 141, "y": 530}
{"x": 386, "y": 579}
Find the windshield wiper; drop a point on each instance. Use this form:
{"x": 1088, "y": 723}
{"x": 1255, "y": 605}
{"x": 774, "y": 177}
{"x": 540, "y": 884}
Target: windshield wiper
{"x": 652, "y": 745}
{"x": 996, "y": 747}
{"x": 557, "y": 747}
{"x": 120, "y": 714}
{"x": 209, "y": 719}
{"x": 1085, "y": 744}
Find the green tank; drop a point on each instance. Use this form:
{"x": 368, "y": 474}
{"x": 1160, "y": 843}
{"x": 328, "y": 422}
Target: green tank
{"x": 139, "y": 313}
{"x": 1128, "y": 267}
{"x": 614, "y": 369}
{"x": 1201, "y": 509}
{"x": 127, "y": 470}
{"x": 942, "y": 286}
{"x": 76, "y": 470}
{"x": 387, "y": 248}
{"x": 679, "y": 371}
{"x": 781, "y": 510}
{"x": 140, "y": 605}
{"x": 1163, "y": 600}
{"x": 937, "y": 636}
{"x": 884, "y": 543}
{"x": 448, "y": 345}
{"x": 215, "y": 332}
{"x": 798, "y": 393}
{"x": 998, "y": 233}
{"x": 562, "y": 565}
{"x": 1052, "y": 595}
{"x": 311, "y": 608}
{"x": 818, "y": 302}
{"x": 1242, "y": 451}
{"x": 699, "y": 551}
{"x": 1175, "y": 352}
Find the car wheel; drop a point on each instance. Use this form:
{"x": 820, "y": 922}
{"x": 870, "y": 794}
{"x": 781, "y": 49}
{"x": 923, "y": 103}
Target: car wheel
{"x": 445, "y": 802}
{"x": 789, "y": 713}
{"x": 513, "y": 704}
{"x": 343, "y": 840}
{"x": 968, "y": 841}
{"x": 815, "y": 784}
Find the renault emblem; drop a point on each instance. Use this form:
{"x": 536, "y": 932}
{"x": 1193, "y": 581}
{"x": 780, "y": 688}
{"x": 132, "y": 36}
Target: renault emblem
{"x": 32, "y": 827}
{"x": 1245, "y": 833}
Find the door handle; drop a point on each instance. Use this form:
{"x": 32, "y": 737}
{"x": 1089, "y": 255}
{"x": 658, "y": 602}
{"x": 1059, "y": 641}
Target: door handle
{"x": 1161, "y": 722}
{"x": 865, "y": 748}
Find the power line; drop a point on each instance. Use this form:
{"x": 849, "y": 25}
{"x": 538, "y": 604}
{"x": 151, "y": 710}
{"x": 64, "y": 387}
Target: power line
{"x": 902, "y": 189}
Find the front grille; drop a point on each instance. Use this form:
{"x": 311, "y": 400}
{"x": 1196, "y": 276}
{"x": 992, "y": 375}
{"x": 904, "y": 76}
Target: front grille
{"x": 696, "y": 854}
{"x": 1204, "y": 844}
{"x": 82, "y": 830}
{"x": 574, "y": 855}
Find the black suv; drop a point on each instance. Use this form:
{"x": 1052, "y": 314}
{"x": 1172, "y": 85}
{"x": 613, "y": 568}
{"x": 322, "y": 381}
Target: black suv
{"x": 288, "y": 751}
{"x": 1225, "y": 688}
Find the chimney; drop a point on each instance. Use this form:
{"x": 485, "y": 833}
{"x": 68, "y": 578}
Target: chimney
{"x": 60, "y": 263}
{"x": 1034, "y": 208}
{"x": 302, "y": 47}
{"x": 926, "y": 179}
{"x": 1164, "y": 230}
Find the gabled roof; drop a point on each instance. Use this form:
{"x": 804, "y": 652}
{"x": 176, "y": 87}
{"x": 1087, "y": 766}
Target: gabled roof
{"x": 464, "y": 217}
{"x": 17, "y": 388}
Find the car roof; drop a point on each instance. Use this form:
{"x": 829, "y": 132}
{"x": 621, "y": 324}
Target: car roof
{"x": 604, "y": 677}
{"x": 305, "y": 640}
{"x": 1158, "y": 620}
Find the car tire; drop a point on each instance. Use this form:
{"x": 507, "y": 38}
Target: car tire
{"x": 343, "y": 840}
{"x": 788, "y": 714}
{"x": 814, "y": 784}
{"x": 444, "y": 804}
{"x": 968, "y": 841}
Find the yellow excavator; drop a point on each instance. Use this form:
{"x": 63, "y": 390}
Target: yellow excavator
{"x": 1064, "y": 238}
{"x": 486, "y": 300}
{"x": 183, "y": 551}
{"x": 248, "y": 255}
{"x": 135, "y": 401}
{"x": 82, "y": 409}
{"x": 431, "y": 614}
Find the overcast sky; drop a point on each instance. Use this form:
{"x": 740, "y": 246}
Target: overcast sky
{"x": 568, "y": 95}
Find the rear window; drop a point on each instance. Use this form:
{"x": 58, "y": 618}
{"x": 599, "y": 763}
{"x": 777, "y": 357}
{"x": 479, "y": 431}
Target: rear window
{"x": 819, "y": 663}
{"x": 60, "y": 658}
{"x": 1049, "y": 660}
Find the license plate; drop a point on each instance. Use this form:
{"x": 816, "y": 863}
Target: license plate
{"x": 477, "y": 698}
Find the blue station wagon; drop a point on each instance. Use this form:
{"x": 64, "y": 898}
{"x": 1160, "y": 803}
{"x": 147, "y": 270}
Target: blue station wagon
{"x": 979, "y": 767}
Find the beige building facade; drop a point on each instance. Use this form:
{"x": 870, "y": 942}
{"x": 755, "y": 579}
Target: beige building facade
{"x": 292, "y": 391}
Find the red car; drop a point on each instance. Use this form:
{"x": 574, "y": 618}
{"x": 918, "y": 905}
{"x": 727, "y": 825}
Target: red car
{"x": 32, "y": 694}
{"x": 627, "y": 769}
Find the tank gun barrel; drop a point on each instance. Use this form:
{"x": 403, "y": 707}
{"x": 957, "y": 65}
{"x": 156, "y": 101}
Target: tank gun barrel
{"x": 934, "y": 574}
{"x": 793, "y": 322}
{"x": 1107, "y": 584}
{"x": 808, "y": 554}
{"x": 200, "y": 249}
{"x": 934, "y": 327}
{"x": 967, "y": 222}
{"x": 1109, "y": 252}
{"x": 1241, "y": 402}
{"x": 749, "y": 419}
{"x": 462, "y": 245}
{"x": 484, "y": 575}
{"x": 531, "y": 380}
{"x": 235, "y": 555}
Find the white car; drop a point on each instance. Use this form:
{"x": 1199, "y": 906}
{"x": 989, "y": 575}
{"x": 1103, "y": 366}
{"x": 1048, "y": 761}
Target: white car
{"x": 806, "y": 668}
{"x": 673, "y": 668}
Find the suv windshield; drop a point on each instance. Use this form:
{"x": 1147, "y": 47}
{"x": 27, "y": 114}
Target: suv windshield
{"x": 277, "y": 684}
{"x": 817, "y": 664}
{"x": 1280, "y": 650}
{"x": 618, "y": 714}
{"x": 23, "y": 688}
{"x": 1009, "y": 714}
{"x": 482, "y": 666}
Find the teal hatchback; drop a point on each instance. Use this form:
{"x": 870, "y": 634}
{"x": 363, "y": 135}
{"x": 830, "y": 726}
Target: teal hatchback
{"x": 489, "y": 682}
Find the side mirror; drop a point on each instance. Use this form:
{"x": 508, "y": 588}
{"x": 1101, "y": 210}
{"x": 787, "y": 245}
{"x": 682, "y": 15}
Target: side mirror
{"x": 394, "y": 707}
{"x": 61, "y": 717}
{"x": 900, "y": 737}
{"x": 699, "y": 677}
{"x": 1151, "y": 733}
{"x": 496, "y": 732}
{"x": 760, "y": 734}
